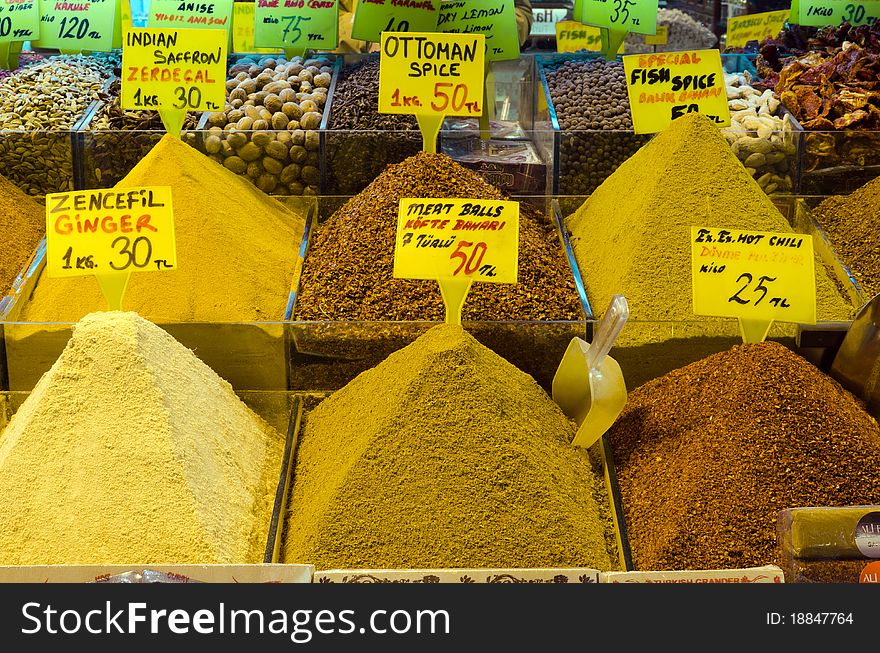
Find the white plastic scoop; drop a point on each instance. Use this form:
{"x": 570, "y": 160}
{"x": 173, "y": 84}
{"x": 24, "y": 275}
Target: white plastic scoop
{"x": 588, "y": 385}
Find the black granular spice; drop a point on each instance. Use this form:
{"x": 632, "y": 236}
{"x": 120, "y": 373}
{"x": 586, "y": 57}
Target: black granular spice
{"x": 348, "y": 272}
{"x": 709, "y": 454}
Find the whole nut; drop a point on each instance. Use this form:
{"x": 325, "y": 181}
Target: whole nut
{"x": 237, "y": 139}
{"x": 277, "y": 150}
{"x": 267, "y": 183}
{"x": 235, "y": 164}
{"x": 313, "y": 140}
{"x": 273, "y": 103}
{"x": 298, "y": 154}
{"x": 291, "y": 173}
{"x": 250, "y": 152}
{"x": 271, "y": 165}
{"x": 261, "y": 138}
{"x": 280, "y": 121}
{"x": 254, "y": 169}
{"x": 310, "y": 120}
{"x": 292, "y": 110}
{"x": 213, "y": 144}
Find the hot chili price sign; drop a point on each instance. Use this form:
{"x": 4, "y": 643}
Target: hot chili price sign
{"x": 440, "y": 74}
{"x": 19, "y": 20}
{"x": 663, "y": 87}
{"x": 179, "y": 69}
{"x": 758, "y": 277}
{"x": 113, "y": 231}
{"x": 210, "y": 14}
{"x": 76, "y": 26}
{"x": 472, "y": 240}
{"x": 297, "y": 24}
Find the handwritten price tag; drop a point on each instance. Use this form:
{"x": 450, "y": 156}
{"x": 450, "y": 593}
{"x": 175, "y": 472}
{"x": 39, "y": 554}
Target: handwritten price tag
{"x": 182, "y": 69}
{"x": 210, "y": 14}
{"x": 457, "y": 239}
{"x": 372, "y": 17}
{"x": 496, "y": 22}
{"x": 19, "y": 20}
{"x": 439, "y": 74}
{"x": 110, "y": 231}
{"x": 754, "y": 27}
{"x": 819, "y": 13}
{"x": 755, "y": 276}
{"x": 572, "y": 36}
{"x": 77, "y": 26}
{"x": 663, "y": 87}
{"x": 639, "y": 16}
{"x": 297, "y": 24}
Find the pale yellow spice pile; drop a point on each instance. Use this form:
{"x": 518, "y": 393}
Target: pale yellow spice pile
{"x": 445, "y": 455}
{"x": 236, "y": 250}
{"x": 130, "y": 450}
{"x": 632, "y": 236}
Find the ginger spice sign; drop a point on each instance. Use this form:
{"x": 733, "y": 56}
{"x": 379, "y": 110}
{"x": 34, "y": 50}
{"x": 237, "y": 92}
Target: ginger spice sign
{"x": 663, "y": 87}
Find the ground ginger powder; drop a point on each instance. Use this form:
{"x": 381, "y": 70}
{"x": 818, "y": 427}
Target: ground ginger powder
{"x": 236, "y": 250}
{"x": 632, "y": 236}
{"x": 444, "y": 455}
{"x": 132, "y": 451}
{"x": 22, "y": 225}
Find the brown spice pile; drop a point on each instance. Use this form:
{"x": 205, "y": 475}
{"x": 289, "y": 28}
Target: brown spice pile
{"x": 708, "y": 454}
{"x": 22, "y": 225}
{"x": 348, "y": 272}
{"x": 852, "y": 222}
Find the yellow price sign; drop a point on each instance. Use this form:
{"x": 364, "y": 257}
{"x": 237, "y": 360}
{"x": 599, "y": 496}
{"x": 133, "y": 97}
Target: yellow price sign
{"x": 476, "y": 240}
{"x": 758, "y": 277}
{"x": 754, "y": 27}
{"x": 572, "y": 36}
{"x": 110, "y": 231}
{"x": 432, "y": 74}
{"x": 660, "y": 38}
{"x": 664, "y": 86}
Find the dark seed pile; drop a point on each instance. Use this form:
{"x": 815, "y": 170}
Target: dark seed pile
{"x": 348, "y": 272}
{"x": 354, "y": 160}
{"x": 590, "y": 98}
{"x": 707, "y": 455}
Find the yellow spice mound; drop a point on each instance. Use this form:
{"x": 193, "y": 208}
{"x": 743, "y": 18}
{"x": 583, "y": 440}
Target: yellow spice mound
{"x": 236, "y": 250}
{"x": 132, "y": 451}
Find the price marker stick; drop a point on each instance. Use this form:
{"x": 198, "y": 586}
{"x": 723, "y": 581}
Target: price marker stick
{"x": 174, "y": 71}
{"x": 757, "y": 277}
{"x": 109, "y": 234}
{"x": 612, "y": 40}
{"x": 457, "y": 242}
{"x": 432, "y": 76}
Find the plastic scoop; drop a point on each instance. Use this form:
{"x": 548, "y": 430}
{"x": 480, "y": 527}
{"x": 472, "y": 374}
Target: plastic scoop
{"x": 588, "y": 384}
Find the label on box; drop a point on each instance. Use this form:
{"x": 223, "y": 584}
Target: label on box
{"x": 181, "y": 69}
{"x": 819, "y": 13}
{"x": 110, "y": 231}
{"x": 754, "y": 27}
{"x": 297, "y": 24}
{"x": 457, "y": 239}
{"x": 660, "y": 38}
{"x": 432, "y": 74}
{"x": 572, "y": 36}
{"x": 372, "y": 17}
{"x": 76, "y": 26}
{"x": 768, "y": 574}
{"x": 753, "y": 275}
{"x": 496, "y": 22}
{"x": 19, "y": 20}
{"x": 639, "y": 16}
{"x": 871, "y": 573}
{"x": 665, "y": 86}
{"x": 469, "y": 576}
{"x": 209, "y": 14}
{"x": 867, "y": 535}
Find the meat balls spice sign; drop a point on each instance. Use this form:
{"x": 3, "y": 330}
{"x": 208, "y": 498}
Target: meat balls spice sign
{"x": 457, "y": 242}
{"x": 297, "y": 25}
{"x": 372, "y": 17}
{"x": 77, "y": 26}
{"x": 110, "y": 234}
{"x": 758, "y": 277}
{"x": 174, "y": 71}
{"x": 662, "y": 87}
{"x": 432, "y": 76}
{"x": 19, "y": 20}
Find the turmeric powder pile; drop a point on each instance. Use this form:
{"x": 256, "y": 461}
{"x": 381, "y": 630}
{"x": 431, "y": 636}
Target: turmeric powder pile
{"x": 22, "y": 225}
{"x": 632, "y": 236}
{"x": 236, "y": 250}
{"x": 130, "y": 450}
{"x": 445, "y": 455}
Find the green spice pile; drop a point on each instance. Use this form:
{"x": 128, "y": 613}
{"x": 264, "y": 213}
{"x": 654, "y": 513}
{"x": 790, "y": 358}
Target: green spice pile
{"x": 132, "y": 451}
{"x": 445, "y": 455}
{"x": 709, "y": 454}
{"x": 852, "y": 222}
{"x": 348, "y": 272}
{"x": 22, "y": 225}
{"x": 640, "y": 246}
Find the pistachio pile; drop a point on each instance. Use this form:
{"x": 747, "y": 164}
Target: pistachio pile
{"x": 39, "y": 105}
{"x": 763, "y": 141}
{"x": 269, "y": 128}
